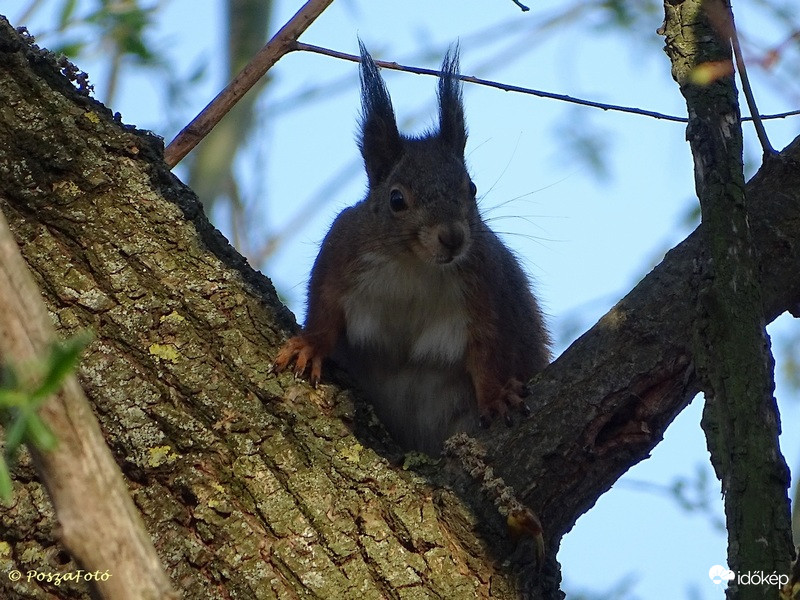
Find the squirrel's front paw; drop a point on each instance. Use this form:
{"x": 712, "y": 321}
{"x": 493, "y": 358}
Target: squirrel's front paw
{"x": 303, "y": 353}
{"x": 498, "y": 401}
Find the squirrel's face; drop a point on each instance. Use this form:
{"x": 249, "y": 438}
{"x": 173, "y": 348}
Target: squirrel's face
{"x": 426, "y": 205}
{"x": 419, "y": 188}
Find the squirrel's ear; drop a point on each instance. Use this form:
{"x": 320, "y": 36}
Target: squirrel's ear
{"x": 380, "y": 142}
{"x": 452, "y": 127}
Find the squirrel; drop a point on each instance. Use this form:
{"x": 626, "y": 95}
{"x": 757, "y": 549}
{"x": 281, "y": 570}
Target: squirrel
{"x": 412, "y": 293}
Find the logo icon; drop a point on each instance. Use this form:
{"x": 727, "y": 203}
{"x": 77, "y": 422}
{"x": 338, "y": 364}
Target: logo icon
{"x": 718, "y": 574}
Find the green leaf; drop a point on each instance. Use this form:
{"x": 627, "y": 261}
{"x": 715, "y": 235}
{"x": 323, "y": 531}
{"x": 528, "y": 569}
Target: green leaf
{"x": 70, "y": 49}
{"x": 63, "y": 360}
{"x": 5, "y": 482}
{"x": 8, "y": 377}
{"x": 40, "y": 434}
{"x": 15, "y": 433}
{"x": 20, "y": 403}
{"x": 65, "y": 16}
{"x": 13, "y": 398}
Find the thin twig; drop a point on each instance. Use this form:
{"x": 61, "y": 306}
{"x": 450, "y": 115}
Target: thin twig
{"x": 761, "y": 132}
{"x": 488, "y": 83}
{"x": 522, "y": 7}
{"x": 783, "y": 115}
{"x": 279, "y": 45}
{"x": 300, "y": 46}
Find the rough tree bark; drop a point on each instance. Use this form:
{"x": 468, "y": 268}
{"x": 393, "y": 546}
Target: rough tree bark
{"x": 255, "y": 486}
{"x": 732, "y": 351}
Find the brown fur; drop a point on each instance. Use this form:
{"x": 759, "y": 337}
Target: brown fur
{"x": 412, "y": 293}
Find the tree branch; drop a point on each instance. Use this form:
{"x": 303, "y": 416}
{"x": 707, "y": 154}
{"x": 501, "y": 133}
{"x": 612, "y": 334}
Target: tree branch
{"x": 761, "y": 132}
{"x": 280, "y": 44}
{"x": 507, "y": 87}
{"x": 98, "y": 521}
{"x": 615, "y": 390}
{"x": 731, "y": 350}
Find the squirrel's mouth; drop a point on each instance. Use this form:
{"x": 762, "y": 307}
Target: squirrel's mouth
{"x": 447, "y": 257}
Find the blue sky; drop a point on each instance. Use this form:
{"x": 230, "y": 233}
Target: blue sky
{"x": 585, "y": 241}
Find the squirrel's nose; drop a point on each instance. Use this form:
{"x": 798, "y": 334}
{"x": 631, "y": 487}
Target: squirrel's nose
{"x": 451, "y": 237}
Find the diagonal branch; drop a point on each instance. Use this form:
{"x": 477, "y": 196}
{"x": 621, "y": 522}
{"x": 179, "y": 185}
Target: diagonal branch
{"x": 761, "y": 132}
{"x": 605, "y": 403}
{"x": 262, "y": 62}
{"x": 98, "y": 520}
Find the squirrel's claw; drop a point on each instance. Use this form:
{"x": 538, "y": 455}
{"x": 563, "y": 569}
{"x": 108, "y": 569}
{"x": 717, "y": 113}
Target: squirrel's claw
{"x": 510, "y": 396}
{"x": 525, "y": 410}
{"x": 302, "y": 353}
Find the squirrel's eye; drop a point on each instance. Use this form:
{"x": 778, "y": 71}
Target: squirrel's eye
{"x": 396, "y": 200}
{"x": 473, "y": 189}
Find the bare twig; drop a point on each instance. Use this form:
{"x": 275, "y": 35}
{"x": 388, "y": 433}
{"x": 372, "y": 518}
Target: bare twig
{"x": 761, "y": 132}
{"x": 279, "y": 45}
{"x": 518, "y": 89}
{"x": 522, "y": 7}
{"x": 783, "y": 115}
{"x": 488, "y": 83}
{"x": 98, "y": 522}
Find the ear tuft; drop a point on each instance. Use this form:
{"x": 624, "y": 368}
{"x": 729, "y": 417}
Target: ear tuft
{"x": 452, "y": 126}
{"x": 380, "y": 142}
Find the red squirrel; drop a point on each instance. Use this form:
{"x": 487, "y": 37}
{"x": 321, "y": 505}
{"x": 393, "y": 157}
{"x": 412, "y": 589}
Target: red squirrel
{"x": 412, "y": 293}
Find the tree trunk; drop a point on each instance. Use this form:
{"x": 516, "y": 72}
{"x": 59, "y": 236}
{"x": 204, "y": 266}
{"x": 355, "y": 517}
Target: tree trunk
{"x": 255, "y": 486}
{"x": 732, "y": 351}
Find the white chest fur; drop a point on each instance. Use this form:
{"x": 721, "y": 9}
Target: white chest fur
{"x": 408, "y": 310}
{"x": 406, "y": 345}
